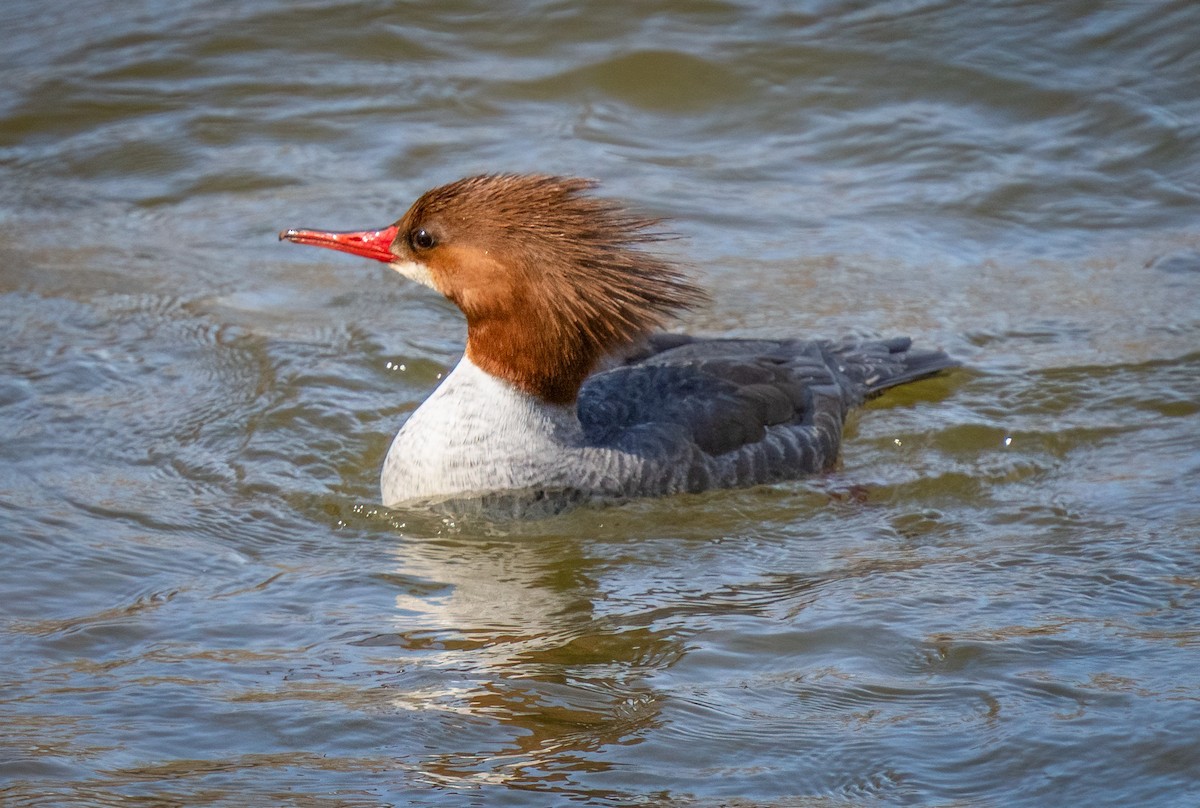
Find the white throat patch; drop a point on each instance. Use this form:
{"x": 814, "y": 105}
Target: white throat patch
{"x": 414, "y": 271}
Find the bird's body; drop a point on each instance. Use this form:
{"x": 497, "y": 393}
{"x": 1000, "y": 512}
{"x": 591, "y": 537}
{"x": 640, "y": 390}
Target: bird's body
{"x": 565, "y": 393}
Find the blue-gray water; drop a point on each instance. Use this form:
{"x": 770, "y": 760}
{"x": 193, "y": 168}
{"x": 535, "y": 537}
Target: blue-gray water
{"x": 994, "y": 601}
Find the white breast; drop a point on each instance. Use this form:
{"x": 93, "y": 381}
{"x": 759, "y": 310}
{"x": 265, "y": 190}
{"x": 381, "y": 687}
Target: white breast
{"x": 476, "y": 434}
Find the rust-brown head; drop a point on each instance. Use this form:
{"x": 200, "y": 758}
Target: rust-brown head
{"x": 550, "y": 278}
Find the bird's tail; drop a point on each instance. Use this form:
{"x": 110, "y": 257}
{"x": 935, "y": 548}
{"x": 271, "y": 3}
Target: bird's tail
{"x": 879, "y": 364}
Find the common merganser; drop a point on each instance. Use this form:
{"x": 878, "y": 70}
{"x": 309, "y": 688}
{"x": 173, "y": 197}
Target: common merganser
{"x": 565, "y": 393}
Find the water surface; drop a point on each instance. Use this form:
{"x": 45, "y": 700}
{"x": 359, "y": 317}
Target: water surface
{"x": 994, "y": 601}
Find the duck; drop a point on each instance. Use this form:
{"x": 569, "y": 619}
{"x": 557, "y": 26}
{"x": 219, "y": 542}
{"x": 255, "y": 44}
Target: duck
{"x": 569, "y": 389}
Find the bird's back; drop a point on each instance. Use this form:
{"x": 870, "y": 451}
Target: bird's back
{"x": 724, "y": 413}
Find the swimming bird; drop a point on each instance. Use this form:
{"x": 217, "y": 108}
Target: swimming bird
{"x": 567, "y": 391}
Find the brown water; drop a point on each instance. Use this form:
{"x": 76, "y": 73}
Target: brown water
{"x": 995, "y": 601}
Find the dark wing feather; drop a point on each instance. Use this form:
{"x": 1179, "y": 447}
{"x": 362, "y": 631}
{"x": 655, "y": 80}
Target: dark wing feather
{"x": 724, "y": 394}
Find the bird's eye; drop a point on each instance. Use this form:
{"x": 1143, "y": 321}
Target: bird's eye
{"x": 421, "y": 239}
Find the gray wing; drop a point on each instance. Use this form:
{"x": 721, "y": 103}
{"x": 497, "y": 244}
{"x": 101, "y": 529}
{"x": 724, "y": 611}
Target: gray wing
{"x": 723, "y": 395}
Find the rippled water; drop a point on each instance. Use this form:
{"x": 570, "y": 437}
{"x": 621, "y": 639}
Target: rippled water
{"x": 995, "y": 601}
